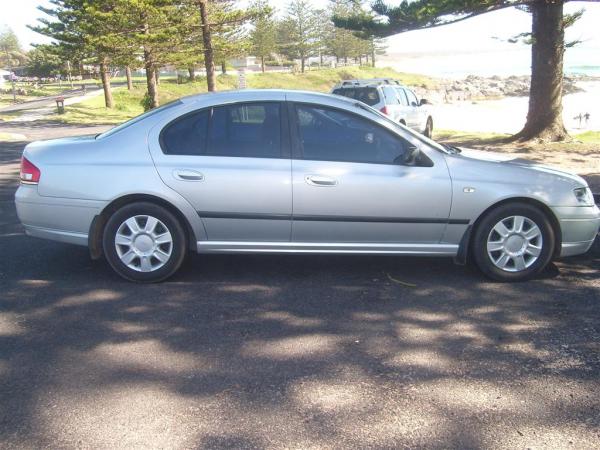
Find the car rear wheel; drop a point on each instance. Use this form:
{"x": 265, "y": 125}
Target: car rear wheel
{"x": 428, "y": 128}
{"x": 513, "y": 242}
{"x": 144, "y": 242}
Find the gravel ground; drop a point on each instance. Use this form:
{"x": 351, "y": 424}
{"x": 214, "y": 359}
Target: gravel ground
{"x": 289, "y": 351}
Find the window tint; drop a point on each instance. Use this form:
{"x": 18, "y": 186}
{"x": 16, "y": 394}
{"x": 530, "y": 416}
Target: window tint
{"x": 412, "y": 98}
{"x": 250, "y": 129}
{"x": 334, "y": 135}
{"x": 186, "y": 135}
{"x": 402, "y": 96}
{"x": 368, "y": 95}
{"x": 390, "y": 95}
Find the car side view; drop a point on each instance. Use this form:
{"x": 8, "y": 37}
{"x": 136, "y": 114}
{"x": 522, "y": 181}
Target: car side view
{"x": 274, "y": 171}
{"x": 391, "y": 98}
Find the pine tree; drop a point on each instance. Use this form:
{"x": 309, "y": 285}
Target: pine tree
{"x": 298, "y": 32}
{"x": 263, "y": 37}
{"x": 544, "y": 118}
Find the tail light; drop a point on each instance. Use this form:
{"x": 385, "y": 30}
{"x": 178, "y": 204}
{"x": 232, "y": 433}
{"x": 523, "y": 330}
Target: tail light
{"x": 384, "y": 110}
{"x": 29, "y": 173}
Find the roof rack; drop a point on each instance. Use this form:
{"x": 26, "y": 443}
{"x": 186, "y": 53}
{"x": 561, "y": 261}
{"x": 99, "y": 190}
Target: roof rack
{"x": 371, "y": 81}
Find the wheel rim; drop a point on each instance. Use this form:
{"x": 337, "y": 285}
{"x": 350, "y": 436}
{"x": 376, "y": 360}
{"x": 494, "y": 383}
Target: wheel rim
{"x": 143, "y": 243}
{"x": 514, "y": 243}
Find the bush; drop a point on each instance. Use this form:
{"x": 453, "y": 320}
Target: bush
{"x": 146, "y": 102}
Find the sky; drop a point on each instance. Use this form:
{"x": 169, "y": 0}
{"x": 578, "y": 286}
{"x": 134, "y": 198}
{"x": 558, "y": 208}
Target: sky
{"x": 476, "y": 34}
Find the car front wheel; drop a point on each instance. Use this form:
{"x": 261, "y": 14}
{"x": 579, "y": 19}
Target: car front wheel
{"x": 513, "y": 242}
{"x": 144, "y": 242}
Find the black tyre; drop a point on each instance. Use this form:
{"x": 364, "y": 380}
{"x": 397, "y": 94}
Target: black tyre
{"x": 513, "y": 242}
{"x": 144, "y": 242}
{"x": 428, "y": 131}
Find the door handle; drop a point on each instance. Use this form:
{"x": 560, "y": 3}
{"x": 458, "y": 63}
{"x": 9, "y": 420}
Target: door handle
{"x": 187, "y": 175}
{"x": 318, "y": 180}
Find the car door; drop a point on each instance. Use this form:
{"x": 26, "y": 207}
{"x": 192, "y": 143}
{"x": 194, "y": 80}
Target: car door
{"x": 232, "y": 164}
{"x": 416, "y": 121}
{"x": 352, "y": 183}
{"x": 403, "y": 105}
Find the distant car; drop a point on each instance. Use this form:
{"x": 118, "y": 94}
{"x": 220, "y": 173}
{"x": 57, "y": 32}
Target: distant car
{"x": 273, "y": 171}
{"x": 391, "y": 98}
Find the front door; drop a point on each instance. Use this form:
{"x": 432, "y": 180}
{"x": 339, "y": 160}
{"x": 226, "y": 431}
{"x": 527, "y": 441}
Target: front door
{"x": 354, "y": 182}
{"x": 232, "y": 164}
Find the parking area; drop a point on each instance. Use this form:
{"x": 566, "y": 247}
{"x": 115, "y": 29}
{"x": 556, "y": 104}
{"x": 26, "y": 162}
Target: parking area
{"x": 244, "y": 351}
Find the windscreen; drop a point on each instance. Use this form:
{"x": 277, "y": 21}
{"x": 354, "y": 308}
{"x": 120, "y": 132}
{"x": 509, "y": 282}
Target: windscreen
{"x": 368, "y": 95}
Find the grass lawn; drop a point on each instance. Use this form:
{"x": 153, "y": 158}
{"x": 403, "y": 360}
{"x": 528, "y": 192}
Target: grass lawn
{"x": 128, "y": 104}
{"x": 467, "y": 138}
{"x": 8, "y": 116}
{"x": 589, "y": 137}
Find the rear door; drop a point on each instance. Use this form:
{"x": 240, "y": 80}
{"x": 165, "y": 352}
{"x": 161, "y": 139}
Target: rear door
{"x": 232, "y": 164}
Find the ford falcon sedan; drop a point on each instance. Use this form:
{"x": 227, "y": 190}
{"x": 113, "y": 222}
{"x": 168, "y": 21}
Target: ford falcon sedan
{"x": 273, "y": 171}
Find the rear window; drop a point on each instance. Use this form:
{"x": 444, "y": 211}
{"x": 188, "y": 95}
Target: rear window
{"x": 368, "y": 95}
{"x": 245, "y": 129}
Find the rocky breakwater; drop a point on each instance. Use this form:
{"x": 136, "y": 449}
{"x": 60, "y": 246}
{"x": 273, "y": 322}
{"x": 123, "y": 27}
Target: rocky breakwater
{"x": 474, "y": 88}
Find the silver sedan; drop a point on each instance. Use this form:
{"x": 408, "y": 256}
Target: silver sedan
{"x": 274, "y": 171}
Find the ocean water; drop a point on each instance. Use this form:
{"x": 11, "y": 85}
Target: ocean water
{"x": 502, "y": 63}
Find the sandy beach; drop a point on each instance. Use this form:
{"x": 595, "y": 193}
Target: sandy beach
{"x": 508, "y": 115}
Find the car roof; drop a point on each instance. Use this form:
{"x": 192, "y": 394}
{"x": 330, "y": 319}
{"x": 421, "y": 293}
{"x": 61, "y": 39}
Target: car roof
{"x": 214, "y": 98}
{"x": 371, "y": 82}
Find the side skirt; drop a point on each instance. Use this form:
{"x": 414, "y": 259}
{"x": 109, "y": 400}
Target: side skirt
{"x": 318, "y": 247}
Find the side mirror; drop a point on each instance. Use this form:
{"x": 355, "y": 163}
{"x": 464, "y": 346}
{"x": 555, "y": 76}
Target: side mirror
{"x": 424, "y": 101}
{"x": 409, "y": 157}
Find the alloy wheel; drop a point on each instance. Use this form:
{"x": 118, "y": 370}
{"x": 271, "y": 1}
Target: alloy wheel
{"x": 514, "y": 243}
{"x": 143, "y": 243}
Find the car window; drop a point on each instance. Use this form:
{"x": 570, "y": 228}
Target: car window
{"x": 390, "y": 95}
{"x": 248, "y": 130}
{"x": 186, "y": 135}
{"x": 335, "y": 135}
{"x": 402, "y": 96}
{"x": 368, "y": 95}
{"x": 412, "y": 98}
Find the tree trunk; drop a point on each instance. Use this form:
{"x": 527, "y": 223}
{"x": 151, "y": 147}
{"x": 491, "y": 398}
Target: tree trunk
{"x": 128, "y": 75}
{"x": 544, "y": 118}
{"x": 224, "y": 68}
{"x": 192, "y": 74}
{"x": 302, "y": 64}
{"x": 150, "y": 78}
{"x": 157, "y": 76}
{"x": 104, "y": 75}
{"x": 262, "y": 64}
{"x": 373, "y": 52}
{"x": 150, "y": 73}
{"x": 208, "y": 50}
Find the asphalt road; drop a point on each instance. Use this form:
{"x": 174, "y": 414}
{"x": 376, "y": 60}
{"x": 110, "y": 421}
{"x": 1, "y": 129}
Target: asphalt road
{"x": 289, "y": 351}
